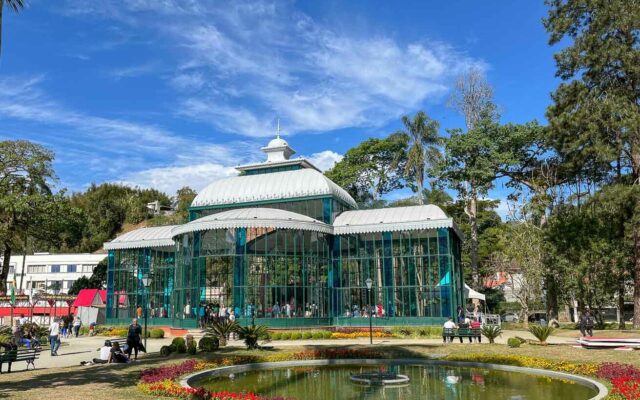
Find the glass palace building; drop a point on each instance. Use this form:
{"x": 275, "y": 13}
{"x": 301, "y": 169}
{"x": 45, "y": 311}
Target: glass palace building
{"x": 282, "y": 245}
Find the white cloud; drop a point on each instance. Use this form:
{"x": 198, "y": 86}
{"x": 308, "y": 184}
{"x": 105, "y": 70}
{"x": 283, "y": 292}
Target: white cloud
{"x": 325, "y": 160}
{"x": 133, "y": 71}
{"x": 241, "y": 64}
{"x": 170, "y": 179}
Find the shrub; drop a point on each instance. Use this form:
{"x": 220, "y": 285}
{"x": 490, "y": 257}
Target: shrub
{"x": 222, "y": 329}
{"x": 307, "y": 335}
{"x": 191, "y": 350}
{"x": 251, "y": 334}
{"x": 513, "y": 342}
{"x": 317, "y": 335}
{"x": 156, "y": 333}
{"x": 178, "y": 341}
{"x": 165, "y": 351}
{"x": 326, "y": 335}
{"x": 208, "y": 343}
{"x": 181, "y": 348}
{"x": 286, "y": 336}
{"x": 521, "y": 340}
{"x": 189, "y": 340}
{"x": 296, "y": 336}
{"x": 491, "y": 332}
{"x": 541, "y": 333}
{"x": 276, "y": 336}
{"x": 172, "y": 348}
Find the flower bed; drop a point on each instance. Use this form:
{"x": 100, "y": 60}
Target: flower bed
{"x": 624, "y": 378}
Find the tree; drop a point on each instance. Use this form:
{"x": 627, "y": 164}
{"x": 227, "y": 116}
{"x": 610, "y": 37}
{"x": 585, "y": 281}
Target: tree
{"x": 473, "y": 98}
{"x": 184, "y": 198}
{"x": 15, "y": 5}
{"x": 421, "y": 134}
{"x": 595, "y": 116}
{"x": 25, "y": 175}
{"x": 371, "y": 169}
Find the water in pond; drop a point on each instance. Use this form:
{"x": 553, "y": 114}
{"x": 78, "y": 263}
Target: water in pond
{"x": 427, "y": 382}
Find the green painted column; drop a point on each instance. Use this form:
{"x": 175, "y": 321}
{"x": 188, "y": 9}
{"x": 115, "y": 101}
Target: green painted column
{"x": 411, "y": 279}
{"x": 444, "y": 257}
{"x": 239, "y": 270}
{"x": 110, "y": 281}
{"x": 387, "y": 274}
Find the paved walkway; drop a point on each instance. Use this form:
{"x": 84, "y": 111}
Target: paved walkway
{"x": 73, "y": 350}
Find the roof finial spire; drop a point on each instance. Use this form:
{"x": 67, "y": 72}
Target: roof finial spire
{"x": 278, "y": 129}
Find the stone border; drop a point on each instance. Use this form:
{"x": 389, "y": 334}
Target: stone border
{"x": 215, "y": 372}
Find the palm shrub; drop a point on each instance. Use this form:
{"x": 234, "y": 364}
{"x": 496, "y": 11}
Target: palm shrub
{"x": 491, "y": 332}
{"x": 541, "y": 333}
{"x": 222, "y": 329}
{"x": 251, "y": 334}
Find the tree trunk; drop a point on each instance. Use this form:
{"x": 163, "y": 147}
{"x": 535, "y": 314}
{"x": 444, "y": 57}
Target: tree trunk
{"x": 621, "y": 324}
{"x": 4, "y": 271}
{"x": 473, "y": 221}
{"x": 552, "y": 297}
{"x": 420, "y": 184}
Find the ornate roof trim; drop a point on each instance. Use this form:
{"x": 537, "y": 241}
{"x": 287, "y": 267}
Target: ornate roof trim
{"x": 157, "y": 236}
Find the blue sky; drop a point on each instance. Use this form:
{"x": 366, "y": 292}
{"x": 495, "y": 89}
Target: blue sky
{"x": 166, "y": 93}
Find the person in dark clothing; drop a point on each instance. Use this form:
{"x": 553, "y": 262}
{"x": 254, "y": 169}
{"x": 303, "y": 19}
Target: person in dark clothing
{"x": 134, "y": 335}
{"x": 586, "y": 324}
{"x": 116, "y": 355}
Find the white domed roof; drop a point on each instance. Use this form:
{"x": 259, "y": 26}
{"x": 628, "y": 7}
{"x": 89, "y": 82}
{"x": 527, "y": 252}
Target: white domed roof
{"x": 277, "y": 142}
{"x": 272, "y": 186}
{"x": 254, "y": 218}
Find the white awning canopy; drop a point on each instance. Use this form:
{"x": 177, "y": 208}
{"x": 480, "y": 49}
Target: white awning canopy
{"x": 254, "y": 218}
{"x": 472, "y": 294}
{"x": 392, "y": 219}
{"x": 158, "y": 236}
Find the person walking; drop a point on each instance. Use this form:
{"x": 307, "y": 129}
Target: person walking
{"x": 133, "y": 338}
{"x": 586, "y": 323}
{"x": 54, "y": 337}
{"x": 77, "y": 323}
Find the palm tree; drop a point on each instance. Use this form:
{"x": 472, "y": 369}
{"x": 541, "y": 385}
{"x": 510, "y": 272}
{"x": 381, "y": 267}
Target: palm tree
{"x": 15, "y": 5}
{"x": 422, "y": 134}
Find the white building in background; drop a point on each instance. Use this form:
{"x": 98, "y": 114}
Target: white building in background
{"x": 43, "y": 269}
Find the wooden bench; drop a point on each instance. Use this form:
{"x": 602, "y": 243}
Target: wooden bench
{"x": 460, "y": 333}
{"x": 11, "y": 356}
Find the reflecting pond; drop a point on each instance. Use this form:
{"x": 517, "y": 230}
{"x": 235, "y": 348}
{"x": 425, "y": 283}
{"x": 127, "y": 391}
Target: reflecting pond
{"x": 427, "y": 382}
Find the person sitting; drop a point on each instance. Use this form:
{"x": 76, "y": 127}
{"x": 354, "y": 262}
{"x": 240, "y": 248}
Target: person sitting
{"x": 475, "y": 324}
{"x": 116, "y": 355}
{"x": 448, "y": 326}
{"x": 105, "y": 352}
{"x": 30, "y": 341}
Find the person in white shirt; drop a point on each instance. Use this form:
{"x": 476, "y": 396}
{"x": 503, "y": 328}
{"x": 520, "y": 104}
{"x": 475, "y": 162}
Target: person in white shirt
{"x": 448, "y": 325}
{"x": 104, "y": 353}
{"x": 54, "y": 337}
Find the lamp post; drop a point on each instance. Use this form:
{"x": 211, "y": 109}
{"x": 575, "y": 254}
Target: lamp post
{"x": 146, "y": 280}
{"x": 369, "y": 282}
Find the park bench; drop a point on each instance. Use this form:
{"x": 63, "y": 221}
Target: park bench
{"x": 460, "y": 333}
{"x": 11, "y": 356}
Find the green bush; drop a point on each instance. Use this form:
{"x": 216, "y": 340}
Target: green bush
{"x": 326, "y": 335}
{"x": 317, "y": 335}
{"x": 191, "y": 350}
{"x": 276, "y": 336}
{"x": 84, "y": 330}
{"x": 296, "y": 336}
{"x": 165, "y": 351}
{"x": 156, "y": 333}
{"x": 541, "y": 333}
{"x": 513, "y": 342}
{"x": 285, "y": 336}
{"x": 178, "y": 341}
{"x": 307, "y": 335}
{"x": 173, "y": 348}
{"x": 491, "y": 332}
{"x": 208, "y": 344}
{"x": 521, "y": 340}
{"x": 181, "y": 348}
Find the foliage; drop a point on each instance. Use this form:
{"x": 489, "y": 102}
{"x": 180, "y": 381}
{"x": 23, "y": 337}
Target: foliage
{"x": 251, "y": 334}
{"x": 540, "y": 332}
{"x": 178, "y": 341}
{"x": 296, "y": 336}
{"x": 97, "y": 280}
{"x": 181, "y": 348}
{"x": 584, "y": 368}
{"x": 513, "y": 342}
{"x": 184, "y": 197}
{"x": 222, "y": 329}
{"x": 156, "y": 333}
{"x": 191, "y": 349}
{"x": 491, "y": 332}
{"x": 165, "y": 351}
{"x": 208, "y": 344}
{"x": 421, "y": 134}
{"x": 371, "y": 169}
